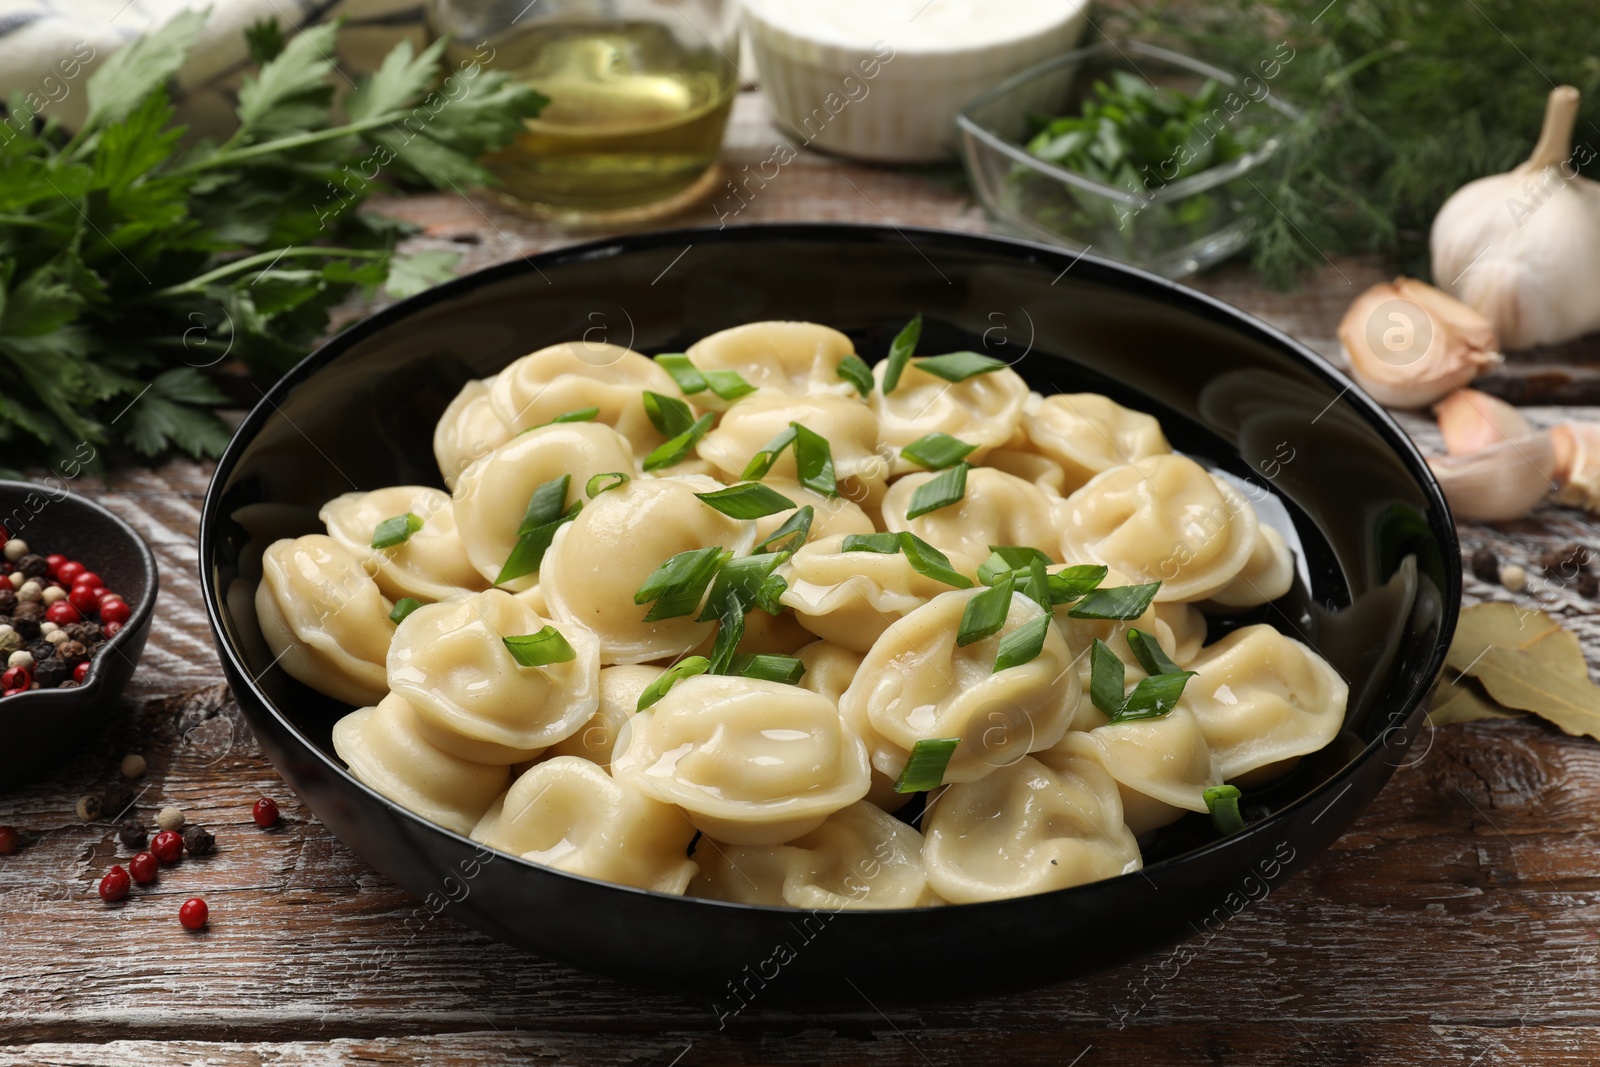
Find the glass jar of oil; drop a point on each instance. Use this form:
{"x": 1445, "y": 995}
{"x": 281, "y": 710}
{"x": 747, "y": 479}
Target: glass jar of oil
{"x": 640, "y": 92}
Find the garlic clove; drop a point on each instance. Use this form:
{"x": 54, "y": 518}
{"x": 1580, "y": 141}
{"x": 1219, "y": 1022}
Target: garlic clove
{"x": 1503, "y": 481}
{"x": 1577, "y": 472}
{"x": 1410, "y": 344}
{"x": 1470, "y": 420}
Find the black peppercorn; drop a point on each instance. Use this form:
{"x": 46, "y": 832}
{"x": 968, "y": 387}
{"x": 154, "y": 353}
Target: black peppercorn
{"x": 33, "y": 565}
{"x": 26, "y": 619}
{"x": 70, "y": 652}
{"x": 85, "y": 633}
{"x": 1565, "y": 562}
{"x": 68, "y": 684}
{"x": 198, "y": 841}
{"x": 41, "y": 650}
{"x": 8, "y": 599}
{"x": 115, "y": 799}
{"x": 133, "y": 833}
{"x": 50, "y": 673}
{"x": 1486, "y": 565}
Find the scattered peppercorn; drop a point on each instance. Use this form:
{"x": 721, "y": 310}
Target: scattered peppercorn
{"x": 114, "y": 886}
{"x": 85, "y": 633}
{"x": 26, "y": 619}
{"x": 41, "y": 649}
{"x": 50, "y": 673}
{"x": 144, "y": 868}
{"x": 43, "y": 595}
{"x": 1564, "y": 562}
{"x": 133, "y": 765}
{"x": 168, "y": 846}
{"x": 9, "y": 840}
{"x": 70, "y": 650}
{"x": 169, "y": 818}
{"x": 194, "y": 914}
{"x": 198, "y": 841}
{"x": 79, "y": 673}
{"x": 265, "y": 813}
{"x": 1485, "y": 565}
{"x": 132, "y": 833}
{"x": 33, "y": 565}
{"x": 115, "y": 799}
{"x": 15, "y": 549}
{"x": 8, "y": 599}
{"x": 89, "y": 808}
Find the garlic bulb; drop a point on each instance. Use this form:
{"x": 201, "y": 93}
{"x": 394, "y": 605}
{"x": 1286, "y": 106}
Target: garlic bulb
{"x": 1410, "y": 344}
{"x": 1470, "y": 420}
{"x": 1577, "y": 471}
{"x": 1524, "y": 247}
{"x": 1503, "y": 481}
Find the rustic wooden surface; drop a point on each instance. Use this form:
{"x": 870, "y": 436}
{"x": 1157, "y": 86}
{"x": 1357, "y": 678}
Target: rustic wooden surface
{"x": 1455, "y": 924}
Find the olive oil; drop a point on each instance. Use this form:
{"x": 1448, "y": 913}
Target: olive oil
{"x": 635, "y": 116}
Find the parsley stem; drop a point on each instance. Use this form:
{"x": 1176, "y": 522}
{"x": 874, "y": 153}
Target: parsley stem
{"x": 286, "y": 144}
{"x": 197, "y": 284}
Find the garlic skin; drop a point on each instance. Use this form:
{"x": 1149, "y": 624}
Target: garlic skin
{"x": 1524, "y": 247}
{"x": 1470, "y": 421}
{"x": 1410, "y": 344}
{"x": 1577, "y": 446}
{"x": 1501, "y": 482}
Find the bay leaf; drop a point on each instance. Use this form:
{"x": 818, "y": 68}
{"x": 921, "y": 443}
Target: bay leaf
{"x": 1507, "y": 626}
{"x": 1564, "y": 697}
{"x": 1460, "y": 699}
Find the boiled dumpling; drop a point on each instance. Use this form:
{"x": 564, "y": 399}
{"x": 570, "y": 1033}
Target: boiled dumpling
{"x": 600, "y": 559}
{"x": 1042, "y": 471}
{"x": 431, "y": 564}
{"x": 793, "y": 358}
{"x": 569, "y": 814}
{"x": 1082, "y": 633}
{"x": 324, "y": 618}
{"x": 851, "y": 598}
{"x": 1162, "y": 766}
{"x": 829, "y": 514}
{"x": 830, "y": 668}
{"x": 1187, "y": 625}
{"x": 385, "y": 748}
{"x": 848, "y": 425}
{"x": 468, "y": 430}
{"x": 1087, "y": 433}
{"x": 998, "y": 509}
{"x": 1268, "y": 575}
{"x": 1263, "y": 700}
{"x": 577, "y": 375}
{"x": 984, "y": 410}
{"x": 918, "y": 684}
{"x": 493, "y": 494}
{"x": 1027, "y": 828}
{"x": 858, "y": 858}
{"x": 1166, "y": 519}
{"x": 596, "y": 739}
{"x": 751, "y": 762}
{"x": 475, "y": 699}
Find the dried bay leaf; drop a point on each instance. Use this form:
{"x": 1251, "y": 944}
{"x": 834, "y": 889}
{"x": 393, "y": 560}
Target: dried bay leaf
{"x": 1525, "y": 661}
{"x": 1515, "y": 629}
{"x": 1566, "y": 698}
{"x": 1460, "y": 699}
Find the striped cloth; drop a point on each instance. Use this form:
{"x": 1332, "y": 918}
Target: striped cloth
{"x": 49, "y": 47}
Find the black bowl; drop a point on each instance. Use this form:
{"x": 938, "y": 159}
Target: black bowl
{"x": 42, "y": 725}
{"x": 1379, "y": 591}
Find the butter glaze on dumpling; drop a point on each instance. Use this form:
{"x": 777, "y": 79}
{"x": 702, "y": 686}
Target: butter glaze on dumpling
{"x": 579, "y": 374}
{"x": 431, "y": 564}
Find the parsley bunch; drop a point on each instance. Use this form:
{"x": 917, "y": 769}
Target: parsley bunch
{"x": 133, "y": 262}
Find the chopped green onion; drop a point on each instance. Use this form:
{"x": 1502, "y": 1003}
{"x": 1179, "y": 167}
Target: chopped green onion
{"x": 730, "y": 630}
{"x": 546, "y": 504}
{"x": 959, "y": 366}
{"x": 669, "y": 415}
{"x": 403, "y": 607}
{"x": 1153, "y": 697}
{"x": 882, "y": 543}
{"x": 540, "y": 649}
{"x": 602, "y": 483}
{"x": 986, "y": 612}
{"x": 905, "y": 343}
{"x": 792, "y": 534}
{"x": 854, "y": 370}
{"x": 768, "y": 667}
{"x": 1222, "y": 801}
{"x": 943, "y": 489}
{"x": 1072, "y": 583}
{"x": 1117, "y": 602}
{"x": 814, "y": 460}
{"x": 762, "y": 461}
{"x": 678, "y": 584}
{"x": 684, "y": 668}
{"x": 580, "y": 415}
{"x": 1023, "y": 644}
{"x": 924, "y": 769}
{"x": 930, "y": 562}
{"x": 690, "y": 380}
{"x": 741, "y": 580}
{"x": 1004, "y": 559}
{"x": 1108, "y": 679}
{"x": 532, "y": 544}
{"x": 1036, "y": 584}
{"x": 396, "y": 531}
{"x": 936, "y": 451}
{"x": 728, "y": 384}
{"x": 676, "y": 450}
{"x": 1149, "y": 654}
{"x": 749, "y": 500}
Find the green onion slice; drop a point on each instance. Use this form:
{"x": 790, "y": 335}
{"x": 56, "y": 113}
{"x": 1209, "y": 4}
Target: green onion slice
{"x": 929, "y": 561}
{"x": 943, "y": 489}
{"x": 986, "y": 613}
{"x": 854, "y": 370}
{"x": 936, "y": 451}
{"x": 690, "y": 380}
{"x": 1108, "y": 679}
{"x": 792, "y": 534}
{"x": 540, "y": 649}
{"x": 882, "y": 543}
{"x": 1222, "y": 801}
{"x": 814, "y": 461}
{"x": 1072, "y": 583}
{"x": 730, "y": 631}
{"x": 1004, "y": 559}
{"x": 684, "y": 668}
{"x": 925, "y": 766}
{"x": 762, "y": 461}
{"x": 1023, "y": 644}
{"x": 905, "y": 343}
{"x": 1117, "y": 602}
{"x": 743, "y": 580}
{"x": 396, "y": 530}
{"x": 676, "y": 450}
{"x": 728, "y": 384}
{"x": 748, "y": 500}
{"x": 678, "y": 584}
{"x": 602, "y": 483}
{"x": 669, "y": 415}
{"x": 768, "y": 667}
{"x": 1153, "y": 697}
{"x": 1147, "y": 650}
{"x": 1036, "y": 584}
{"x": 959, "y": 366}
{"x": 532, "y": 544}
{"x": 580, "y": 415}
{"x": 546, "y": 504}
{"x": 403, "y": 607}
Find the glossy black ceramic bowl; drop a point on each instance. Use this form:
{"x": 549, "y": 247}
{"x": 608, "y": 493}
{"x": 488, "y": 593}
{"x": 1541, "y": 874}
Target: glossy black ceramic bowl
{"x": 41, "y": 726}
{"x": 1378, "y": 592}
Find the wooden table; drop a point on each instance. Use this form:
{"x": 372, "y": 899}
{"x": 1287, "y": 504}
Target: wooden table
{"x": 1455, "y": 924}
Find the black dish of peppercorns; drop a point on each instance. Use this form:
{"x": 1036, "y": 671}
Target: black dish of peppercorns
{"x": 56, "y": 614}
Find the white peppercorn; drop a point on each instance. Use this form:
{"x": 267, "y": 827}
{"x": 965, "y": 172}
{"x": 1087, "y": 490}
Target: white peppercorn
{"x": 1514, "y": 577}
{"x": 30, "y": 590}
{"x": 15, "y": 549}
{"x": 52, "y": 593}
{"x": 169, "y": 818}
{"x": 57, "y": 636}
{"x": 20, "y": 658}
{"x": 133, "y": 765}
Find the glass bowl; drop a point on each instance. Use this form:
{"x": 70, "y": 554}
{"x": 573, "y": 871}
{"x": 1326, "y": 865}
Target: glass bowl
{"x": 1171, "y": 228}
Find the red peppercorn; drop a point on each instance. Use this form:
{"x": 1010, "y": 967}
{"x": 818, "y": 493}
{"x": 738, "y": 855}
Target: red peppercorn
{"x": 265, "y": 813}
{"x": 168, "y": 846}
{"x": 8, "y": 840}
{"x": 15, "y": 678}
{"x": 68, "y": 572}
{"x": 82, "y": 598}
{"x": 88, "y": 578}
{"x": 194, "y": 913}
{"x": 63, "y": 613}
{"x": 112, "y": 609}
{"x": 144, "y": 868}
{"x": 80, "y": 671}
{"x": 54, "y": 561}
{"x": 111, "y": 629}
{"x": 114, "y": 886}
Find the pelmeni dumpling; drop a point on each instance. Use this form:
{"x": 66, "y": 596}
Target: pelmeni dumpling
{"x": 848, "y": 425}
{"x": 1187, "y": 624}
{"x": 1088, "y": 434}
{"x": 385, "y": 748}
{"x": 468, "y": 430}
{"x": 793, "y": 358}
{"x": 493, "y": 494}
{"x": 1267, "y": 576}
{"x": 751, "y": 762}
{"x": 998, "y": 509}
{"x": 984, "y": 410}
{"x": 851, "y": 598}
{"x": 1027, "y": 828}
{"x": 569, "y": 814}
{"x": 830, "y": 668}
{"x": 1042, "y": 471}
{"x": 1263, "y": 700}
{"x": 917, "y": 684}
{"x": 431, "y": 564}
{"x": 475, "y": 700}
{"x": 1164, "y": 518}
{"x": 596, "y": 739}
{"x": 829, "y": 514}
{"x": 324, "y": 618}
{"x": 581, "y": 374}
{"x": 858, "y": 858}
{"x": 1162, "y": 766}
{"x": 600, "y": 559}
{"x": 1082, "y": 633}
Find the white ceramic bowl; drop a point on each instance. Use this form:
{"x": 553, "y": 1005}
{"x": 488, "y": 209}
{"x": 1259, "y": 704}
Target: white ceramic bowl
{"x": 882, "y": 80}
